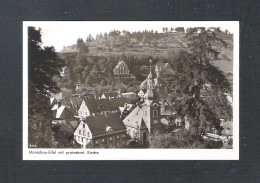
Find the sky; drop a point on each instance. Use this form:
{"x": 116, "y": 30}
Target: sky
{"x": 66, "y": 33}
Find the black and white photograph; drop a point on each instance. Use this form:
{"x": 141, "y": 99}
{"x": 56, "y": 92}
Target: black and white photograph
{"x": 126, "y": 90}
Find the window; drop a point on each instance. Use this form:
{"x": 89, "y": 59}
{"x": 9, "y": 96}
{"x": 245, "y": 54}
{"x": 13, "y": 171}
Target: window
{"x": 123, "y": 135}
{"x": 117, "y": 136}
{"x": 103, "y": 140}
{"x": 96, "y": 142}
{"x": 155, "y": 113}
{"x": 111, "y": 138}
{"x": 88, "y": 134}
{"x": 83, "y": 125}
{"x": 82, "y": 139}
{"x": 80, "y": 132}
{"x": 79, "y": 138}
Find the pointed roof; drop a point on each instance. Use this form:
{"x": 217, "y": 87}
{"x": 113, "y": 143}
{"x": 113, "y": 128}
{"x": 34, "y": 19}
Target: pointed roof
{"x": 135, "y": 118}
{"x": 120, "y": 63}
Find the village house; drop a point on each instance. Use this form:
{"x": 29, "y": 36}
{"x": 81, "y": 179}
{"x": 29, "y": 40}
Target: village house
{"x": 93, "y": 107}
{"x": 63, "y": 117}
{"x": 121, "y": 70}
{"x": 165, "y": 69}
{"x": 104, "y": 131}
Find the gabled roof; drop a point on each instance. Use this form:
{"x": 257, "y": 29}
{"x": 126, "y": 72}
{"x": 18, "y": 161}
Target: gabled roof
{"x": 98, "y": 124}
{"x": 60, "y": 111}
{"x": 134, "y": 119}
{"x": 76, "y": 101}
{"x": 120, "y": 63}
{"x": 98, "y": 105}
{"x": 91, "y": 104}
{"x": 102, "y": 105}
{"x": 74, "y": 124}
{"x": 165, "y": 67}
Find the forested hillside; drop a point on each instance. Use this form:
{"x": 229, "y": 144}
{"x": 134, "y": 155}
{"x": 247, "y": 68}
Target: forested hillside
{"x": 91, "y": 61}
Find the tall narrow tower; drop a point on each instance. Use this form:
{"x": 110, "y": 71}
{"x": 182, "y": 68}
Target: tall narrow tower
{"x": 152, "y": 108}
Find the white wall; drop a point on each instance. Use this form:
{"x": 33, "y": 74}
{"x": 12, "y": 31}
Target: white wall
{"x": 78, "y": 136}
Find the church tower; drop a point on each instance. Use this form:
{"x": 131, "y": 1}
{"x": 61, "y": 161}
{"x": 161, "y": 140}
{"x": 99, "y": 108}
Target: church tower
{"x": 152, "y": 108}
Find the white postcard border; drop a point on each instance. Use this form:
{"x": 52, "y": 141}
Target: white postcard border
{"x": 137, "y": 154}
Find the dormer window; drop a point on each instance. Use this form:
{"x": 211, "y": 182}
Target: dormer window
{"x": 109, "y": 129}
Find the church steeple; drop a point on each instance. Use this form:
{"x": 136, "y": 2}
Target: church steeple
{"x": 150, "y": 95}
{"x": 150, "y": 82}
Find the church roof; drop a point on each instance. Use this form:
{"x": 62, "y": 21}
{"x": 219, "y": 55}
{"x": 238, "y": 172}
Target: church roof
{"x": 98, "y": 124}
{"x": 134, "y": 119}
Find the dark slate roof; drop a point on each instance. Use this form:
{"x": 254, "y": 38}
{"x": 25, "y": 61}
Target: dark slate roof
{"x": 74, "y": 124}
{"x": 91, "y": 104}
{"x": 111, "y": 94}
{"x": 115, "y": 122}
{"x": 98, "y": 105}
{"x": 103, "y": 105}
{"x": 118, "y": 102}
{"x": 98, "y": 124}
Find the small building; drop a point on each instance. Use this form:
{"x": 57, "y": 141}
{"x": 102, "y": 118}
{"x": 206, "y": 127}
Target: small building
{"x": 165, "y": 69}
{"x": 105, "y": 131}
{"x": 121, "y": 71}
{"x": 141, "y": 94}
{"x": 93, "y": 107}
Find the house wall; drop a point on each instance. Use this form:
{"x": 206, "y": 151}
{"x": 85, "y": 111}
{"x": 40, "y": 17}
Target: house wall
{"x": 110, "y": 141}
{"x": 83, "y": 110}
{"x": 82, "y": 135}
{"x": 121, "y": 70}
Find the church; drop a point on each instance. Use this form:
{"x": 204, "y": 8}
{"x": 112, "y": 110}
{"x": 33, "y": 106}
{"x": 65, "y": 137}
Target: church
{"x": 147, "y": 115}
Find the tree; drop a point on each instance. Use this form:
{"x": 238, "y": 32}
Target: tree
{"x": 181, "y": 139}
{"x": 202, "y": 43}
{"x": 179, "y": 29}
{"x": 89, "y": 38}
{"x": 196, "y": 73}
{"x": 44, "y": 65}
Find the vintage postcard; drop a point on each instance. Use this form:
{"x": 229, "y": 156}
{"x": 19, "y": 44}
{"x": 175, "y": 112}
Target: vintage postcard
{"x": 130, "y": 90}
